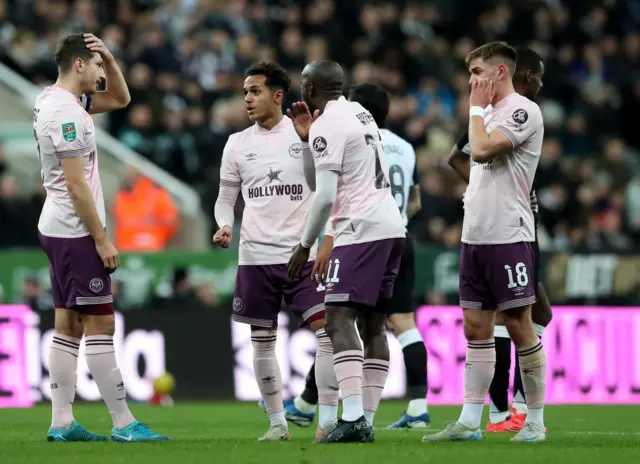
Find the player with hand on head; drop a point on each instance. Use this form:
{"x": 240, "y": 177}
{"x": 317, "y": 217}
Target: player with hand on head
{"x": 497, "y": 260}
{"x": 263, "y": 162}
{"x": 527, "y": 81}
{"x": 352, "y": 188}
{"x": 72, "y": 232}
{"x": 401, "y": 161}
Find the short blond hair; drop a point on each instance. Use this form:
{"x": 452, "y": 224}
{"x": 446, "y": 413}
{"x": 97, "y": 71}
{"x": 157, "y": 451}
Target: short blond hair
{"x": 501, "y": 50}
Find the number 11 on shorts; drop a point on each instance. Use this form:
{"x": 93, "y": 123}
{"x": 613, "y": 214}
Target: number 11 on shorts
{"x": 521, "y": 275}
{"x": 334, "y": 265}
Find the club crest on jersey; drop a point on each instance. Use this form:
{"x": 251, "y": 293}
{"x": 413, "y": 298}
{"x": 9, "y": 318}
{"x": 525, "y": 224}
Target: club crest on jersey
{"x": 295, "y": 150}
{"x": 520, "y": 116}
{"x": 69, "y": 133}
{"x": 320, "y": 145}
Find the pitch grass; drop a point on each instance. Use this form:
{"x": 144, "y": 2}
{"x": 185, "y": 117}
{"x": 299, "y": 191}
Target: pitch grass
{"x": 226, "y": 433}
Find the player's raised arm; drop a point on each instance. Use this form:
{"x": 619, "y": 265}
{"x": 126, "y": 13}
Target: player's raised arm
{"x": 116, "y": 95}
{"x": 459, "y": 158}
{"x": 484, "y": 146}
{"x": 230, "y": 183}
{"x": 328, "y": 152}
{"x": 302, "y": 120}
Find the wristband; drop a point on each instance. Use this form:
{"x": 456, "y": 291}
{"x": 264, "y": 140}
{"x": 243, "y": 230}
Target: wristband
{"x": 476, "y": 111}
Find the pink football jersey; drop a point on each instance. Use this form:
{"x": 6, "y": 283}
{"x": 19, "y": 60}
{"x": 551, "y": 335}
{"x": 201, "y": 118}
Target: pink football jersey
{"x": 497, "y": 207}
{"x": 267, "y": 166}
{"x": 345, "y": 139}
{"x": 63, "y": 128}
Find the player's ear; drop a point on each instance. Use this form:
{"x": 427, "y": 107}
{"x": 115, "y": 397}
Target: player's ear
{"x": 278, "y": 96}
{"x": 503, "y": 71}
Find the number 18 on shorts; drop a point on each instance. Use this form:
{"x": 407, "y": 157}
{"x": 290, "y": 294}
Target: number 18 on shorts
{"x": 497, "y": 276}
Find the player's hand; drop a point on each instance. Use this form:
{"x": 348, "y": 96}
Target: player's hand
{"x": 321, "y": 264}
{"x": 223, "y": 237}
{"x": 481, "y": 93}
{"x": 299, "y": 258}
{"x": 109, "y": 255}
{"x": 302, "y": 119}
{"x": 97, "y": 45}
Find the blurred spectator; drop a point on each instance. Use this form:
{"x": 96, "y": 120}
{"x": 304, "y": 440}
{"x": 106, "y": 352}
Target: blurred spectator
{"x": 14, "y": 216}
{"x": 145, "y": 217}
{"x": 184, "y": 62}
{"x": 183, "y": 295}
{"x": 34, "y": 296}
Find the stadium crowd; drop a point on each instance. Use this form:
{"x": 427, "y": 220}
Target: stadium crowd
{"x": 184, "y": 62}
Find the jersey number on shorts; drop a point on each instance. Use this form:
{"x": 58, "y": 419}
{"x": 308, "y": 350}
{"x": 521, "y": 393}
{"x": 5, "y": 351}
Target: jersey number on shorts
{"x": 522, "y": 277}
{"x": 334, "y": 267}
{"x": 396, "y": 177}
{"x": 380, "y": 180}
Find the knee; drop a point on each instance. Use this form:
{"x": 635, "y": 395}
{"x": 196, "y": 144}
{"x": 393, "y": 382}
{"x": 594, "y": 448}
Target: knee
{"x": 68, "y": 323}
{"x": 520, "y": 327}
{"x": 99, "y": 325}
{"x": 400, "y": 323}
{"x": 332, "y": 325}
{"x": 500, "y": 319}
{"x": 317, "y": 324}
{"x": 477, "y": 329}
{"x": 373, "y": 328}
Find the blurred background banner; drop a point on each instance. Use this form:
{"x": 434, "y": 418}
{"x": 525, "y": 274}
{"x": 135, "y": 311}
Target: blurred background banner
{"x": 593, "y": 355}
{"x": 592, "y": 278}
{"x": 14, "y": 385}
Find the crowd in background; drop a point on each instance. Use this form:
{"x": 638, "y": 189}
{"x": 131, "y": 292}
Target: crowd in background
{"x": 184, "y": 62}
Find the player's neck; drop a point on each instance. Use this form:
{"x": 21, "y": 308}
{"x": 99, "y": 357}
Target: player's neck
{"x": 67, "y": 83}
{"x": 503, "y": 92}
{"x": 322, "y": 102}
{"x": 272, "y": 121}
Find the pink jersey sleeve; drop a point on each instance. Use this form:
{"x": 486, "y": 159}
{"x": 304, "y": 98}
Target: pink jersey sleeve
{"x": 520, "y": 122}
{"x": 328, "y": 143}
{"x": 229, "y": 172}
{"x": 68, "y": 132}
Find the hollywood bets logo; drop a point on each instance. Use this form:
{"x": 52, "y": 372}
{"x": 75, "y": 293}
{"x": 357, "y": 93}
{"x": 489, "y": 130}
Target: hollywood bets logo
{"x": 277, "y": 188}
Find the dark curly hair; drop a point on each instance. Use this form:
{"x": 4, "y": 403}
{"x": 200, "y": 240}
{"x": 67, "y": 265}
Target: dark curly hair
{"x": 276, "y": 77}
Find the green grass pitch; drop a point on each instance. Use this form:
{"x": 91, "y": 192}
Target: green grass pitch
{"x": 227, "y": 433}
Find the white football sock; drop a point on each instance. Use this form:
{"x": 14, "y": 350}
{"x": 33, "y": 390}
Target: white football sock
{"x": 352, "y": 408}
{"x": 302, "y": 406}
{"x": 101, "y": 359}
{"x": 417, "y": 407}
{"x": 63, "y": 367}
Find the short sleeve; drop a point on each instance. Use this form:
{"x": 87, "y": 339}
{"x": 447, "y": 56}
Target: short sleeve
{"x": 229, "y": 172}
{"x": 463, "y": 142}
{"x": 520, "y": 123}
{"x": 68, "y": 133}
{"x": 327, "y": 146}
